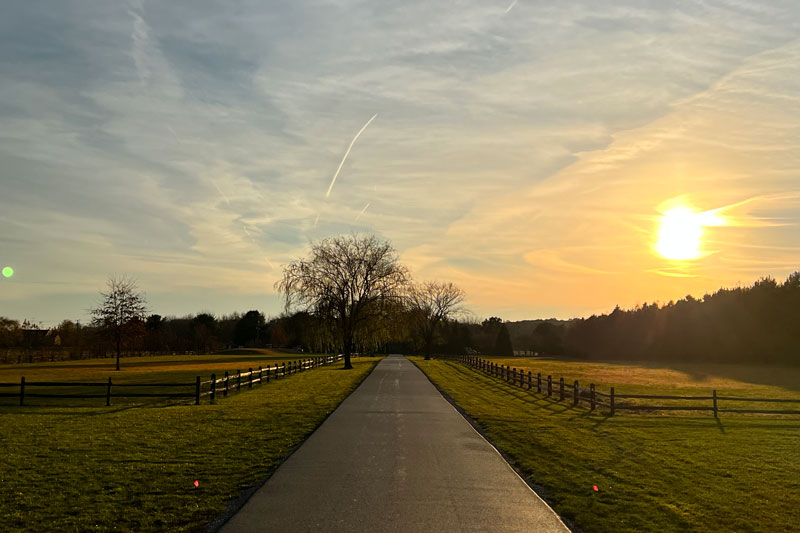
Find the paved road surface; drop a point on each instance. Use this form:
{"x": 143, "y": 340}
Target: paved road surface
{"x": 395, "y": 456}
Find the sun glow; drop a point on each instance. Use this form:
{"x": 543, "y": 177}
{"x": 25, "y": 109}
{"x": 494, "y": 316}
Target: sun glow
{"x": 681, "y": 230}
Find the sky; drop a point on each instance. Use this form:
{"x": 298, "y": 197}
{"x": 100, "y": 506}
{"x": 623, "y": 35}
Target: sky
{"x": 524, "y": 150}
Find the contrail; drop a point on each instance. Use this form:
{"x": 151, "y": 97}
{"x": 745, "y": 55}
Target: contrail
{"x": 316, "y": 220}
{"x": 220, "y": 192}
{"x": 250, "y": 236}
{"x": 511, "y": 6}
{"x": 348, "y": 153}
{"x": 174, "y": 134}
{"x": 362, "y": 212}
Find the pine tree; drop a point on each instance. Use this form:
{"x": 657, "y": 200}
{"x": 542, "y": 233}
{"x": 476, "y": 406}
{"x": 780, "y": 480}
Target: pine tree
{"x": 502, "y": 345}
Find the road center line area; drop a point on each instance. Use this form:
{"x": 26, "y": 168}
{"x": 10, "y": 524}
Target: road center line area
{"x": 395, "y": 456}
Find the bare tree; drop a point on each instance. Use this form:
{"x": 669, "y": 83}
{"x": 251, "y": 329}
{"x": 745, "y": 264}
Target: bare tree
{"x": 121, "y": 313}
{"x": 349, "y": 281}
{"x": 432, "y": 303}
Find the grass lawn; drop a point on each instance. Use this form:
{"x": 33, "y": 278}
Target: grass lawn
{"x": 654, "y": 473}
{"x": 156, "y": 369}
{"x": 132, "y": 468}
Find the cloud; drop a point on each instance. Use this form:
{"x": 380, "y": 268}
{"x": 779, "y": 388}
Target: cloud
{"x": 521, "y": 156}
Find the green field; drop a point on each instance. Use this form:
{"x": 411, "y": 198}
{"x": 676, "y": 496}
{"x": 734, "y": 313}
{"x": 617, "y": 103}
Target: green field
{"x": 156, "y": 369}
{"x": 654, "y": 473}
{"x": 678, "y": 379}
{"x": 132, "y": 468}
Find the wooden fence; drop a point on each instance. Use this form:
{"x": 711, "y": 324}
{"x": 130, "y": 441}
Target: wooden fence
{"x": 228, "y": 384}
{"x": 579, "y": 395}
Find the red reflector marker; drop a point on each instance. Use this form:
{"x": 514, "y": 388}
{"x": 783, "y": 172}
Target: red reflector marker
{"x": 593, "y": 486}
{"x": 197, "y": 484}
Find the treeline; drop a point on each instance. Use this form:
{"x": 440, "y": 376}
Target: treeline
{"x": 205, "y": 333}
{"x": 755, "y": 324}
{"x": 201, "y": 333}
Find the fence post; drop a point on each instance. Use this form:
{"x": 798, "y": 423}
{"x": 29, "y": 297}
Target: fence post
{"x": 539, "y": 382}
{"x": 530, "y": 380}
{"x": 575, "y": 393}
{"x": 22, "y": 391}
{"x": 108, "y": 393}
{"x": 715, "y": 402}
{"x": 611, "y": 401}
{"x": 284, "y": 370}
{"x": 560, "y": 389}
{"x": 250, "y": 378}
{"x": 513, "y": 376}
{"x": 591, "y": 395}
{"x": 227, "y": 380}
{"x": 549, "y": 385}
{"x": 197, "y": 391}
{"x": 213, "y": 387}
{"x": 238, "y": 380}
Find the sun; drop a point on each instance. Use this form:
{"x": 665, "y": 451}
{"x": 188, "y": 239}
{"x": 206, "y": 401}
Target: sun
{"x": 680, "y": 233}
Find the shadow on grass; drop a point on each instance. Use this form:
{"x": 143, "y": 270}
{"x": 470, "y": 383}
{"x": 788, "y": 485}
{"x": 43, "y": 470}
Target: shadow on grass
{"x": 599, "y": 418}
{"x": 87, "y": 410}
{"x": 787, "y": 377}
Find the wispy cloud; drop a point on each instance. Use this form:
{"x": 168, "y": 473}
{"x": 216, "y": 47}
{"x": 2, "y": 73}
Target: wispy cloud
{"x": 522, "y": 156}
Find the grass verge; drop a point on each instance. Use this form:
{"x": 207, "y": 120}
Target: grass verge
{"x": 653, "y": 473}
{"x": 133, "y": 468}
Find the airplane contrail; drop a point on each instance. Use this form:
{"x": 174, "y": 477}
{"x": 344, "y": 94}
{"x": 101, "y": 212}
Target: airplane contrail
{"x": 220, "y": 192}
{"x": 316, "y": 221}
{"x": 511, "y": 6}
{"x": 348, "y": 153}
{"x": 362, "y": 212}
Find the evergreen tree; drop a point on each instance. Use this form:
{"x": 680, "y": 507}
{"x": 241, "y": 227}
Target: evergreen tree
{"x": 502, "y": 345}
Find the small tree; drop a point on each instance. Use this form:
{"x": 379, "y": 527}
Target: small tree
{"x": 432, "y": 303}
{"x": 121, "y": 314}
{"x": 502, "y": 345}
{"x": 348, "y": 281}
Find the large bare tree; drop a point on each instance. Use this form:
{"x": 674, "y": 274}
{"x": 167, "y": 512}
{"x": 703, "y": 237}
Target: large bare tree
{"x": 431, "y": 303}
{"x": 122, "y": 312}
{"x": 350, "y": 280}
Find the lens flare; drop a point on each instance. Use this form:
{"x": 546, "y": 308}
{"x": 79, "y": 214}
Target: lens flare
{"x": 8, "y": 272}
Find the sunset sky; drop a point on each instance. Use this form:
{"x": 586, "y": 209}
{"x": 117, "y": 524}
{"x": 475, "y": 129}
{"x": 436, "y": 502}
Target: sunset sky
{"x": 524, "y": 150}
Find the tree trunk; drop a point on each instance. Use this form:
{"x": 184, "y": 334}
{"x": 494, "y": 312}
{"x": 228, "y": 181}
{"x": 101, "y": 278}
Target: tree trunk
{"x": 428, "y": 346}
{"x": 119, "y": 343}
{"x": 348, "y": 348}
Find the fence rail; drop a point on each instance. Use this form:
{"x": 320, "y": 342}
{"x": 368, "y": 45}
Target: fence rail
{"x": 229, "y": 383}
{"x": 563, "y": 390}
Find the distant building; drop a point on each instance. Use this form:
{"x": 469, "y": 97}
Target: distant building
{"x": 36, "y": 338}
